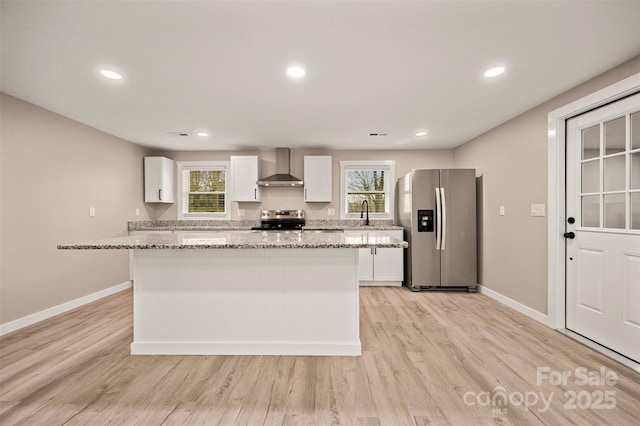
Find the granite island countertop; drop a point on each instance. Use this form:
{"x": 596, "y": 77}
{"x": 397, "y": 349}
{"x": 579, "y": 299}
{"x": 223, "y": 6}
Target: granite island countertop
{"x": 230, "y": 240}
{"x": 243, "y": 225}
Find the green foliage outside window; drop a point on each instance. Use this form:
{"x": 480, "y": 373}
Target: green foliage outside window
{"x": 366, "y": 185}
{"x": 207, "y": 191}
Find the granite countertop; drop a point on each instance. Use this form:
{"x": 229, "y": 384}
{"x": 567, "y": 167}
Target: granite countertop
{"x": 244, "y": 225}
{"x": 229, "y": 240}
{"x": 193, "y": 225}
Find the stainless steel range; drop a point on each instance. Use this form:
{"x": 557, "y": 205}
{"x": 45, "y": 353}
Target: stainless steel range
{"x": 281, "y": 220}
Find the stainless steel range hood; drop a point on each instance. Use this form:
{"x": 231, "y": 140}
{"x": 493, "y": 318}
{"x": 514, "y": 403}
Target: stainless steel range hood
{"x": 283, "y": 176}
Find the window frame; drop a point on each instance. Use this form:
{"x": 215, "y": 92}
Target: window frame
{"x": 389, "y": 183}
{"x": 204, "y": 165}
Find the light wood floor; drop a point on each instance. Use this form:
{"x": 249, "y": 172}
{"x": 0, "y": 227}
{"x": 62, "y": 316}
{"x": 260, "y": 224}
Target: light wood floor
{"x": 424, "y": 355}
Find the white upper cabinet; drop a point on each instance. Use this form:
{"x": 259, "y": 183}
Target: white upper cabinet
{"x": 317, "y": 178}
{"x": 245, "y": 172}
{"x": 158, "y": 180}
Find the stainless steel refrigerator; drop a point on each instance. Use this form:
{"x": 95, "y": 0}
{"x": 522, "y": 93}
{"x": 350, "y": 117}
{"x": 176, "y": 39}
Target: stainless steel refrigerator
{"x": 437, "y": 209}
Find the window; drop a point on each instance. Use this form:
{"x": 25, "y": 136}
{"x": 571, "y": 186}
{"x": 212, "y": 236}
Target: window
{"x": 203, "y": 190}
{"x": 609, "y": 169}
{"x": 372, "y": 181}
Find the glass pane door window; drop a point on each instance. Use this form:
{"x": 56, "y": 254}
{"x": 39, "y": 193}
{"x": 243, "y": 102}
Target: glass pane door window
{"x": 610, "y": 173}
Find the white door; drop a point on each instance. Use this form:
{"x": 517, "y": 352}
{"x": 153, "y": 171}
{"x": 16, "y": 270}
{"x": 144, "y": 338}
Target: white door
{"x": 603, "y": 226}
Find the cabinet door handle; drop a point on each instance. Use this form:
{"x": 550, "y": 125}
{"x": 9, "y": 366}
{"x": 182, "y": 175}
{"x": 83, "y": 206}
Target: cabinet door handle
{"x": 255, "y": 193}
{"x": 159, "y": 194}
{"x": 306, "y": 192}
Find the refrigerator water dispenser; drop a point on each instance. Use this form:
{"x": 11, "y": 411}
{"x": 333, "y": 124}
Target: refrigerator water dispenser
{"x": 425, "y": 220}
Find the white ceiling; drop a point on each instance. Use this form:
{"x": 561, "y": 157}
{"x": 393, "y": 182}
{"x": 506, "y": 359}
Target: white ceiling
{"x": 387, "y": 67}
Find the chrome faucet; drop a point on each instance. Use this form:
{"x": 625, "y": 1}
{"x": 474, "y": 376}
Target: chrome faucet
{"x": 362, "y": 213}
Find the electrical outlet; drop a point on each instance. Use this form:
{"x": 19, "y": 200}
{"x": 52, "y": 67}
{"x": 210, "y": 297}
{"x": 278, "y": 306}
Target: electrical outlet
{"x": 92, "y": 211}
{"x": 137, "y": 212}
{"x": 240, "y": 212}
{"x": 537, "y": 210}
{"x": 501, "y": 210}
{"x": 331, "y": 212}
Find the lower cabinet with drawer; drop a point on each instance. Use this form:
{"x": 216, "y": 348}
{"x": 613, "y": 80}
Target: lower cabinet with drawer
{"x": 381, "y": 266}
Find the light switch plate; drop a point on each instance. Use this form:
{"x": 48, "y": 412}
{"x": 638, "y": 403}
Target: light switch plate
{"x": 137, "y": 212}
{"x": 501, "y": 210}
{"x": 538, "y": 210}
{"x": 92, "y": 211}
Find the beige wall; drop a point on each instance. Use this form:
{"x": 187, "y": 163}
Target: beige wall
{"x": 512, "y": 160}
{"x": 292, "y": 198}
{"x": 52, "y": 170}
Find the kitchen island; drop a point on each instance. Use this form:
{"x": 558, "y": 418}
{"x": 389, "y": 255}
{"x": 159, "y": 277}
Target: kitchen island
{"x": 260, "y": 293}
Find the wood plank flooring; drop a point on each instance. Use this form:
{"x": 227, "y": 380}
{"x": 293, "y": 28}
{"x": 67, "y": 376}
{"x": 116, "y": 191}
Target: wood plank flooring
{"x": 428, "y": 359}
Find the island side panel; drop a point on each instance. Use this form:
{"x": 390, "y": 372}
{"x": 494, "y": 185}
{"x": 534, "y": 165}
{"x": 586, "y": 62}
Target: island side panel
{"x": 246, "y": 302}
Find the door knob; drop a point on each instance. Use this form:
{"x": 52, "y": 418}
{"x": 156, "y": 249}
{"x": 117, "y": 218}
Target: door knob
{"x": 569, "y": 235}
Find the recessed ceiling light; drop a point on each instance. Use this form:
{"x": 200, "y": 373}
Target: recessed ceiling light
{"x": 493, "y": 72}
{"x": 296, "y": 72}
{"x": 202, "y": 134}
{"x": 112, "y": 75}
{"x": 420, "y": 134}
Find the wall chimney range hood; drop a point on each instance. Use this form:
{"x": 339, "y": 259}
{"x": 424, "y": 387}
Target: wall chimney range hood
{"x": 283, "y": 176}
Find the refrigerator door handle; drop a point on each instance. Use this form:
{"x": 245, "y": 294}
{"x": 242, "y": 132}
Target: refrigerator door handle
{"x": 438, "y": 219}
{"x": 444, "y": 219}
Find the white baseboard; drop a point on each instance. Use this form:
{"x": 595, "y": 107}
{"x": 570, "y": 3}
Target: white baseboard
{"x": 380, "y": 283}
{"x": 523, "y": 309}
{"x": 247, "y": 348}
{"x": 59, "y": 309}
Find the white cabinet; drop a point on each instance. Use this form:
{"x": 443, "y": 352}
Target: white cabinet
{"x": 388, "y": 265}
{"x": 245, "y": 172}
{"x": 365, "y": 264}
{"x": 158, "y": 180}
{"x": 317, "y": 178}
{"x": 381, "y": 266}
